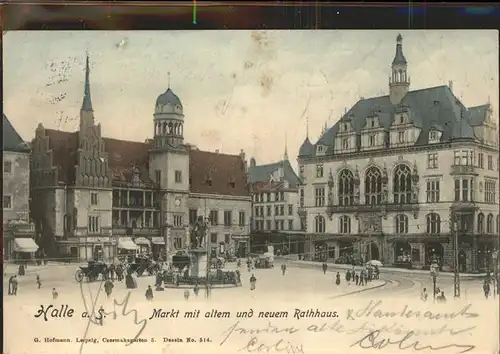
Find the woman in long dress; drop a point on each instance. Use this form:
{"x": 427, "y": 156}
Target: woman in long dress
{"x": 253, "y": 280}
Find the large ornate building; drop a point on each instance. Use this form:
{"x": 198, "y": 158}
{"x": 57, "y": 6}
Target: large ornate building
{"x": 275, "y": 221}
{"x": 94, "y": 195}
{"x": 398, "y": 176}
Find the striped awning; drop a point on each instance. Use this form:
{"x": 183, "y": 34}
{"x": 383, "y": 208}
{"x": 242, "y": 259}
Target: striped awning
{"x": 157, "y": 240}
{"x": 25, "y": 245}
{"x": 126, "y": 243}
{"x": 142, "y": 241}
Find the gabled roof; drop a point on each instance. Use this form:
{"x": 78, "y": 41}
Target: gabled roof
{"x": 12, "y": 141}
{"x": 262, "y": 173}
{"x": 216, "y": 173}
{"x": 430, "y": 107}
{"x": 126, "y": 156}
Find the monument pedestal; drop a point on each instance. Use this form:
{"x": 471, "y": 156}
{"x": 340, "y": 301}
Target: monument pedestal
{"x": 199, "y": 259}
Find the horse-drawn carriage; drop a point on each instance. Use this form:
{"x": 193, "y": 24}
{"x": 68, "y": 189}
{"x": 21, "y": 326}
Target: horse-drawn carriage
{"x": 142, "y": 264}
{"x": 218, "y": 262}
{"x": 92, "y": 271}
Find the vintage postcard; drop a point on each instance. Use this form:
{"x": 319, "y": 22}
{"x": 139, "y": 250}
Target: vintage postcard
{"x": 251, "y": 192}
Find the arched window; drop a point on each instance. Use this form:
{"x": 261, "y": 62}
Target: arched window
{"x": 346, "y": 187}
{"x": 320, "y": 224}
{"x": 489, "y": 224}
{"x": 402, "y": 184}
{"x": 480, "y": 223}
{"x": 373, "y": 186}
{"x": 345, "y": 224}
{"x": 401, "y": 224}
{"x": 433, "y": 223}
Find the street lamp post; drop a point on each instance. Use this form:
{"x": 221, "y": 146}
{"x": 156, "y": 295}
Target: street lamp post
{"x": 456, "y": 274}
{"x": 433, "y": 275}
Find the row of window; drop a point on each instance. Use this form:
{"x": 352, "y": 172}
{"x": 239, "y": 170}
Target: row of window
{"x": 402, "y": 188}
{"x": 278, "y": 197}
{"x": 279, "y": 210}
{"x": 278, "y": 225}
{"x": 433, "y": 223}
{"x": 214, "y": 217}
{"x": 468, "y": 158}
{"x": 489, "y": 223}
{"x": 214, "y": 238}
{"x": 461, "y": 157}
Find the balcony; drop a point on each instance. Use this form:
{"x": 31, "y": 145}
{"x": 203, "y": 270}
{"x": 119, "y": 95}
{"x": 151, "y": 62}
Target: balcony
{"x": 463, "y": 206}
{"x": 138, "y": 231}
{"x": 370, "y": 208}
{"x": 463, "y": 170}
{"x": 131, "y": 205}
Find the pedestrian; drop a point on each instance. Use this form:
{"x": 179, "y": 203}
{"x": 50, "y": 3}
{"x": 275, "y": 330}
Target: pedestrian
{"x": 38, "y": 282}
{"x": 21, "y": 270}
{"x": 54, "y": 294}
{"x": 196, "y": 289}
{"x": 357, "y": 279}
{"x": 348, "y": 277}
{"x": 486, "y": 289}
{"x": 325, "y": 267}
{"x": 253, "y": 280}
{"x": 186, "y": 294}
{"x": 10, "y": 284}
{"x": 149, "y": 293}
{"x": 377, "y": 272}
{"x": 14, "y": 285}
{"x": 283, "y": 268}
{"x": 108, "y": 287}
{"x": 337, "y": 280}
{"x": 366, "y": 278}
{"x": 361, "y": 278}
{"x": 423, "y": 295}
{"x": 441, "y": 298}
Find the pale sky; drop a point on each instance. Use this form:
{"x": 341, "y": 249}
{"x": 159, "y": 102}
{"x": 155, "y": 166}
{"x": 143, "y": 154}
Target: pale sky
{"x": 240, "y": 89}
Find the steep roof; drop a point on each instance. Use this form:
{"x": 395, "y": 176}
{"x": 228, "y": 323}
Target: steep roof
{"x": 126, "y": 156}
{"x": 430, "y": 108}
{"x": 12, "y": 141}
{"x": 216, "y": 173}
{"x": 262, "y": 173}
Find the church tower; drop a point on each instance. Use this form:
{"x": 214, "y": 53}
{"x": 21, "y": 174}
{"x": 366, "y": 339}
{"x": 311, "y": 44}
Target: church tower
{"x": 399, "y": 82}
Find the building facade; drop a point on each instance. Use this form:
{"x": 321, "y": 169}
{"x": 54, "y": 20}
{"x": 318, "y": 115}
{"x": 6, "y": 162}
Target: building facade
{"x": 18, "y": 232}
{"x": 399, "y": 176}
{"x": 275, "y": 195}
{"x": 95, "y": 196}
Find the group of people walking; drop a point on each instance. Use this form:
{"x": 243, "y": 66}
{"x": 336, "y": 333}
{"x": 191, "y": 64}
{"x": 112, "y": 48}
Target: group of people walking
{"x": 363, "y": 277}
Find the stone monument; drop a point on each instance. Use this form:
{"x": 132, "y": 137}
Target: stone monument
{"x": 198, "y": 252}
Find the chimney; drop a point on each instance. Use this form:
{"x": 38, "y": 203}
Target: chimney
{"x": 242, "y": 154}
{"x": 450, "y": 85}
{"x": 217, "y": 151}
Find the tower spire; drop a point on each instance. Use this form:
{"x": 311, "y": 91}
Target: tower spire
{"x": 399, "y": 82}
{"x": 285, "y": 156}
{"x": 87, "y": 101}
{"x": 168, "y": 79}
{"x": 307, "y": 127}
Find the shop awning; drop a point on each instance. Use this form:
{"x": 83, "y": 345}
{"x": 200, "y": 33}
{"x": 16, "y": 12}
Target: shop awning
{"x": 126, "y": 243}
{"x": 25, "y": 245}
{"x": 142, "y": 241}
{"x": 158, "y": 240}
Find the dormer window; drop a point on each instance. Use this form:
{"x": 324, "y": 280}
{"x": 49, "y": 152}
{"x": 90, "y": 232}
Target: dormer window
{"x": 345, "y": 143}
{"x": 433, "y": 135}
{"x": 371, "y": 140}
{"x": 345, "y": 127}
{"x": 373, "y": 123}
{"x": 401, "y": 119}
{"x": 320, "y": 148}
{"x": 401, "y": 137}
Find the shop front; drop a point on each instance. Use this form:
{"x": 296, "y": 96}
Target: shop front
{"x": 143, "y": 244}
{"x": 158, "y": 247}
{"x": 24, "y": 248}
{"x": 127, "y": 249}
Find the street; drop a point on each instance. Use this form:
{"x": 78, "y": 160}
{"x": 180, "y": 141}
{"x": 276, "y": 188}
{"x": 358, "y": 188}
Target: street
{"x": 300, "y": 289}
